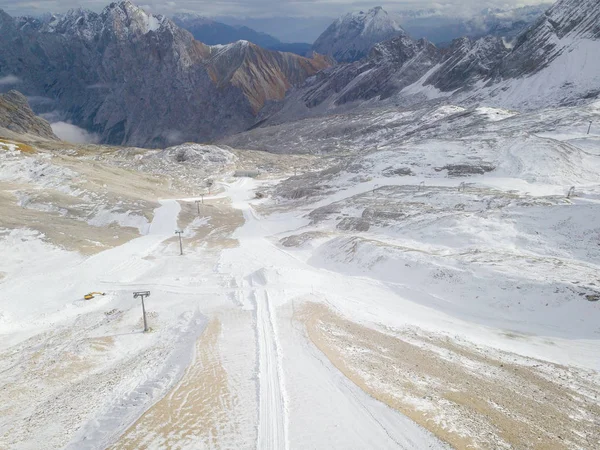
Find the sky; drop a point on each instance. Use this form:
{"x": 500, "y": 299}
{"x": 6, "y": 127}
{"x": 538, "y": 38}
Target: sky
{"x": 264, "y": 8}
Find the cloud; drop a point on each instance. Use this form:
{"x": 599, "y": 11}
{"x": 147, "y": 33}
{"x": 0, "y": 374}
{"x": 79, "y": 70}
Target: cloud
{"x": 36, "y": 100}
{"x": 266, "y": 8}
{"x": 71, "y": 133}
{"x": 173, "y": 137}
{"x": 8, "y": 80}
{"x": 99, "y": 86}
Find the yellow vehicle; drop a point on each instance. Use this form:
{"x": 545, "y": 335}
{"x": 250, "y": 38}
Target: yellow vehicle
{"x": 92, "y": 294}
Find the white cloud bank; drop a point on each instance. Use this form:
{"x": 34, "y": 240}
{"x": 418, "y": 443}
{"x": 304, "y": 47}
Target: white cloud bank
{"x": 9, "y": 79}
{"x": 72, "y": 133}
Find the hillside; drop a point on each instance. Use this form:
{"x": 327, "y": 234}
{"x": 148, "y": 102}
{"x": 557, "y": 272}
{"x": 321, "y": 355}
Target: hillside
{"x": 417, "y": 257}
{"x": 17, "y": 117}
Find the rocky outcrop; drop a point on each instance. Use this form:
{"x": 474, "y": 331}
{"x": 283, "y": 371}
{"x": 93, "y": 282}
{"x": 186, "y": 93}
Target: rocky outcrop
{"x": 558, "y": 30}
{"x": 391, "y": 66}
{"x": 466, "y": 62}
{"x": 17, "y": 116}
{"x": 138, "y": 79}
{"x": 352, "y": 36}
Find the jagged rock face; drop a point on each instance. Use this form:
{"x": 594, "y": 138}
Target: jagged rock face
{"x": 352, "y": 36}
{"x": 262, "y": 75}
{"x": 391, "y": 66}
{"x": 562, "y": 26}
{"x": 467, "y": 61}
{"x": 138, "y": 79}
{"x": 17, "y": 116}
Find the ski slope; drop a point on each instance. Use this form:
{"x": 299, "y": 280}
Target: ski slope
{"x": 380, "y": 310}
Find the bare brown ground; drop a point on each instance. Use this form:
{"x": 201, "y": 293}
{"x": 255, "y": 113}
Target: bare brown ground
{"x": 196, "y": 411}
{"x": 469, "y": 397}
{"x": 104, "y": 184}
{"x": 65, "y": 232}
{"x": 23, "y": 148}
{"x": 117, "y": 181}
{"x": 297, "y": 240}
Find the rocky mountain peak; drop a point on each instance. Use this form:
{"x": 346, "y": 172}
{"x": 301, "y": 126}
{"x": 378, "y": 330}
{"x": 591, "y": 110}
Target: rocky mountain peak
{"x": 127, "y": 18}
{"x": 377, "y": 21}
{"x": 351, "y": 36}
{"x": 552, "y": 63}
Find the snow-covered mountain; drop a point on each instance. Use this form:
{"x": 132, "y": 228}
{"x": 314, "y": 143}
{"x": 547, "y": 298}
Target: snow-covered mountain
{"x": 351, "y": 36}
{"x": 552, "y": 63}
{"x": 139, "y": 79}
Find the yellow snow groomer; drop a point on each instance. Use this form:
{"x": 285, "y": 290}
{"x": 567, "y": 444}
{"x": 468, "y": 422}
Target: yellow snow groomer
{"x": 91, "y": 295}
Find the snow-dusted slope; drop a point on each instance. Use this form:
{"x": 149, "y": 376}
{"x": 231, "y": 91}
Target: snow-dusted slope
{"x": 552, "y": 63}
{"x": 351, "y": 36}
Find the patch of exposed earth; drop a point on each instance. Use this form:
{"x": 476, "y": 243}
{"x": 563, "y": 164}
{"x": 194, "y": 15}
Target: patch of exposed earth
{"x": 470, "y": 397}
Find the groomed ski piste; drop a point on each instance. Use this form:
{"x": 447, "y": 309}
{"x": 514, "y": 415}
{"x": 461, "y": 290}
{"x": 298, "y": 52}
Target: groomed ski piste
{"x": 434, "y": 310}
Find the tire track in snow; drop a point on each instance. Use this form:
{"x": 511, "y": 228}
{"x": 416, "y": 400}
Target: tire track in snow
{"x": 272, "y": 427}
{"x": 272, "y": 411}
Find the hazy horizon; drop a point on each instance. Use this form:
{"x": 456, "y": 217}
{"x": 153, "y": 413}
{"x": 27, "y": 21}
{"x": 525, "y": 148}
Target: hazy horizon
{"x": 262, "y": 9}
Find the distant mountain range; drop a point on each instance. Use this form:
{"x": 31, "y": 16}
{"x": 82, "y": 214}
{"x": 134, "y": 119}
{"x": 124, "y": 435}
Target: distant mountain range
{"x": 138, "y": 79}
{"x": 350, "y": 37}
{"x": 286, "y": 29}
{"x": 211, "y": 32}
